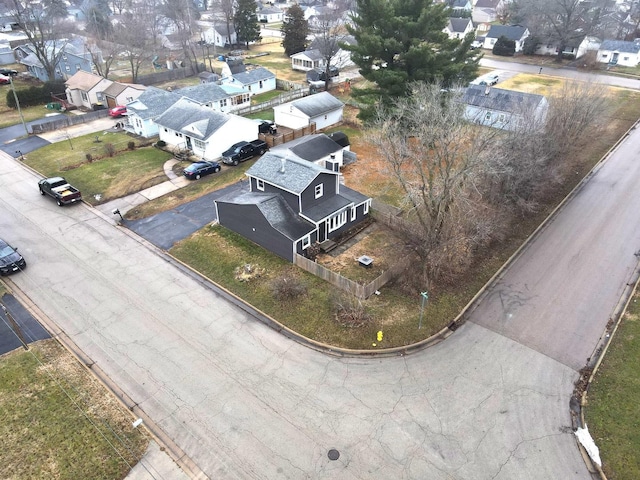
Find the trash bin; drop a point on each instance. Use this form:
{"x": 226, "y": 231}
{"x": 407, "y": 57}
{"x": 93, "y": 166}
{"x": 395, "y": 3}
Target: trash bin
{"x": 54, "y": 106}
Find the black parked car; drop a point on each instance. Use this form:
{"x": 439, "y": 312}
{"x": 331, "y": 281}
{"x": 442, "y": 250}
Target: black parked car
{"x": 200, "y": 169}
{"x": 8, "y": 72}
{"x": 10, "y": 260}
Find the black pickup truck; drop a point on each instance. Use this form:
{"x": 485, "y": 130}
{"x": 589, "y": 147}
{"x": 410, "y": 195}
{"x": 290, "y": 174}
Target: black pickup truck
{"x": 60, "y": 190}
{"x": 241, "y": 151}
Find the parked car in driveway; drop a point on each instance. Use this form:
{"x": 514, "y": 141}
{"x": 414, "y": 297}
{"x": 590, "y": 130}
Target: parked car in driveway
{"x": 490, "y": 79}
{"x": 8, "y": 72}
{"x": 199, "y": 169}
{"x": 118, "y": 111}
{"x": 10, "y": 260}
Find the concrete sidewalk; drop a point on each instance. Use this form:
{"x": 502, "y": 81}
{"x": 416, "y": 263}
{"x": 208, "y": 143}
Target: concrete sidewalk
{"x": 124, "y": 204}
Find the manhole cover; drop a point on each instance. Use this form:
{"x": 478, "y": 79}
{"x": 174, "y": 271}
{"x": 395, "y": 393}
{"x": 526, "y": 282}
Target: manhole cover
{"x": 333, "y": 454}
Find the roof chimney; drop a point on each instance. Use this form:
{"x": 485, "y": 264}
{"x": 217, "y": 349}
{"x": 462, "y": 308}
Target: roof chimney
{"x": 282, "y": 162}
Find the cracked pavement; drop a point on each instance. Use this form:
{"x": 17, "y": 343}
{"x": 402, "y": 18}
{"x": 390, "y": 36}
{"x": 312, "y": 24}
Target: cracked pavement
{"x": 491, "y": 402}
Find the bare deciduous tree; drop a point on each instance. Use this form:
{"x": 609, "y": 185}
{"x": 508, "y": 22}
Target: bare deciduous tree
{"x": 183, "y": 15}
{"x": 132, "y": 33}
{"x": 436, "y": 158}
{"x": 536, "y": 154}
{"x": 44, "y": 25}
{"x": 329, "y": 32}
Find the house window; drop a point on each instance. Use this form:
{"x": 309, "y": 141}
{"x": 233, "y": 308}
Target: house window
{"x": 319, "y": 190}
{"x": 129, "y": 99}
{"x": 260, "y": 84}
{"x": 366, "y": 207}
{"x": 306, "y": 241}
{"x": 64, "y": 57}
{"x": 353, "y": 213}
{"x": 626, "y": 58}
{"x": 223, "y": 103}
{"x": 99, "y": 96}
{"x": 337, "y": 221}
{"x": 249, "y": 87}
{"x": 199, "y": 144}
{"x": 78, "y": 67}
{"x": 260, "y": 186}
{"x": 166, "y": 130}
{"x": 84, "y": 96}
{"x": 487, "y": 116}
{"x": 67, "y": 68}
{"x": 502, "y": 117}
{"x": 605, "y": 55}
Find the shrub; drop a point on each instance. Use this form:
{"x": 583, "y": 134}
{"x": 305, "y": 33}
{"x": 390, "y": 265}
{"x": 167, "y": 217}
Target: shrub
{"x": 109, "y": 149}
{"x": 131, "y": 145}
{"x": 504, "y": 47}
{"x": 89, "y": 157}
{"x": 161, "y": 144}
{"x": 287, "y": 288}
{"x": 35, "y": 95}
{"x": 350, "y": 311}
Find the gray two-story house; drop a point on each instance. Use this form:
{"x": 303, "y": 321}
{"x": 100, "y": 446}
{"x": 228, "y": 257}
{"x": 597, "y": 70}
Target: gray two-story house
{"x": 291, "y": 204}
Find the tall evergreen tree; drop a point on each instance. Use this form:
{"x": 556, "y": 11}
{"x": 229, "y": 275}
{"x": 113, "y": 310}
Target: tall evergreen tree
{"x": 295, "y": 31}
{"x": 246, "y": 22}
{"x": 402, "y": 41}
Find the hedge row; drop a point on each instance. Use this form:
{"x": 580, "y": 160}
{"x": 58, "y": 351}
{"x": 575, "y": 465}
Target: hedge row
{"x": 35, "y": 95}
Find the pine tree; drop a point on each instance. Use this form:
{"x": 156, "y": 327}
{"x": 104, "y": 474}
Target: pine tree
{"x": 295, "y": 31}
{"x": 402, "y": 41}
{"x": 246, "y": 22}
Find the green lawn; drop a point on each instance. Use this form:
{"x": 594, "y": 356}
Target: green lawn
{"x": 10, "y": 116}
{"x": 104, "y": 178}
{"x": 612, "y": 412}
{"x": 58, "y": 421}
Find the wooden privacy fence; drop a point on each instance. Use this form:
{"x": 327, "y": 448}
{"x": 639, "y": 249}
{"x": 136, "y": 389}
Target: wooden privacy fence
{"x": 63, "y": 121}
{"x": 343, "y": 283}
{"x": 288, "y": 135}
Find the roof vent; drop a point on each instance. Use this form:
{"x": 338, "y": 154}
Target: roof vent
{"x": 282, "y": 162}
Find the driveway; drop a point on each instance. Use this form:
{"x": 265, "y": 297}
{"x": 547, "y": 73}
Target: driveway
{"x": 166, "y": 228}
{"x": 14, "y": 140}
{"x": 24, "y": 327}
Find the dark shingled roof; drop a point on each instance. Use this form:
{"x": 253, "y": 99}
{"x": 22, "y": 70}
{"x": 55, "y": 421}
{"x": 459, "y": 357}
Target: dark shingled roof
{"x": 500, "y": 100}
{"x": 458, "y": 25}
{"x": 327, "y": 207}
{"x": 188, "y": 117}
{"x": 297, "y": 174}
{"x": 512, "y": 32}
{"x": 620, "y": 46}
{"x": 315, "y": 147}
{"x": 152, "y": 103}
{"x": 352, "y": 195}
{"x": 275, "y": 210}
{"x": 318, "y": 104}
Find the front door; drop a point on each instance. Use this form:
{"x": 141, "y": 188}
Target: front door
{"x": 188, "y": 143}
{"x": 614, "y": 58}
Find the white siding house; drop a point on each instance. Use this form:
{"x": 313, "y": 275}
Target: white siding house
{"x": 504, "y": 109}
{"x": 517, "y": 33}
{"x": 187, "y": 125}
{"x": 458, "y": 27}
{"x": 618, "y": 52}
{"x": 307, "y": 60}
{"x": 142, "y": 112}
{"x": 85, "y": 89}
{"x": 255, "y": 81}
{"x": 323, "y": 109}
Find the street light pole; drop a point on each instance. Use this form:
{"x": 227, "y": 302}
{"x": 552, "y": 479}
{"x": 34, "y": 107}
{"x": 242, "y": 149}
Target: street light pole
{"x": 425, "y": 297}
{"x": 15, "y": 96}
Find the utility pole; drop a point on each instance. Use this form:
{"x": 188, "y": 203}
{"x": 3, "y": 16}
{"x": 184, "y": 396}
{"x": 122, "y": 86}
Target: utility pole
{"x": 15, "y": 96}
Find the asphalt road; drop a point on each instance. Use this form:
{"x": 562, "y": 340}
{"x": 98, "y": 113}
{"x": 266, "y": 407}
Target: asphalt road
{"x": 569, "y": 73}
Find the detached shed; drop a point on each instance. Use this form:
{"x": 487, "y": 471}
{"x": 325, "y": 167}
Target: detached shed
{"x": 323, "y": 109}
